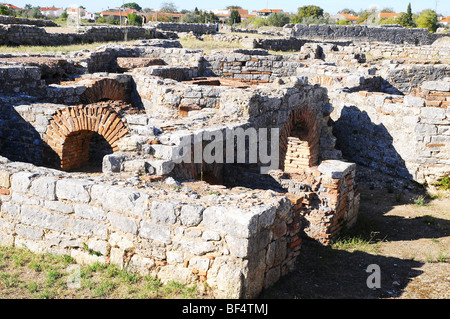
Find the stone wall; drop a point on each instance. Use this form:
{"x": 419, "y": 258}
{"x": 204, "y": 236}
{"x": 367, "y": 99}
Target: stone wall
{"x": 406, "y": 136}
{"x": 21, "y": 79}
{"x": 36, "y": 22}
{"x": 238, "y": 250}
{"x": 361, "y": 33}
{"x": 16, "y": 34}
{"x": 197, "y": 28}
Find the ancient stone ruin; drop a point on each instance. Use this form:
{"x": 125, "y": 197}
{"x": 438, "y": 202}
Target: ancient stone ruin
{"x": 112, "y": 149}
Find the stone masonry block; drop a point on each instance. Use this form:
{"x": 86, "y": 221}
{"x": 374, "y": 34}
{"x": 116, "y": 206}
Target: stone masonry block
{"x": 233, "y": 221}
{"x": 163, "y": 212}
{"x": 335, "y": 168}
{"x": 156, "y": 232}
{"x": 20, "y": 182}
{"x": 124, "y": 223}
{"x": 73, "y": 190}
{"x": 44, "y": 187}
{"x": 191, "y": 215}
{"x": 5, "y": 179}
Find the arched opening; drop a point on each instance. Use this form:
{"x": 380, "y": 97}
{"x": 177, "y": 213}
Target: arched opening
{"x": 82, "y": 136}
{"x": 299, "y": 144}
{"x": 84, "y": 151}
{"x": 104, "y": 90}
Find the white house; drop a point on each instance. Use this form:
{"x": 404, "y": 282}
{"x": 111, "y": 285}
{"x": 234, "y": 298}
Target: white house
{"x": 51, "y": 11}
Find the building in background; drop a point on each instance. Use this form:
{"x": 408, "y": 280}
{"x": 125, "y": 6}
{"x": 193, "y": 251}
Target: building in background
{"x": 51, "y": 11}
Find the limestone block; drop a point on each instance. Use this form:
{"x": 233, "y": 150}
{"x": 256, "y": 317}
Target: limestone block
{"x": 161, "y": 167}
{"x": 20, "y": 182}
{"x": 163, "y": 212}
{"x": 413, "y": 101}
{"x": 443, "y": 86}
{"x": 336, "y": 169}
{"x": 89, "y": 212}
{"x": 191, "y": 215}
{"x": 29, "y": 232}
{"x": 120, "y": 200}
{"x": 5, "y": 179}
{"x": 123, "y": 223}
{"x": 175, "y": 273}
{"x": 73, "y": 190}
{"x": 44, "y": 187}
{"x": 156, "y": 232}
{"x": 226, "y": 277}
{"x": 59, "y": 207}
{"x": 112, "y": 163}
{"x": 229, "y": 220}
{"x": 434, "y": 113}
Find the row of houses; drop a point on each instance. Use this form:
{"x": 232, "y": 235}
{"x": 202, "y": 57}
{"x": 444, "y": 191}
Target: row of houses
{"x": 72, "y": 12}
{"x": 381, "y": 15}
{"x": 221, "y": 14}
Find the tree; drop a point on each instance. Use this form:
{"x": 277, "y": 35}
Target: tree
{"x": 233, "y": 7}
{"x": 205, "y": 16}
{"x": 235, "y": 17}
{"x": 310, "y": 11}
{"x": 191, "y": 17}
{"x": 343, "y": 22}
{"x": 132, "y": 5}
{"x": 390, "y": 10}
{"x": 368, "y": 16}
{"x": 168, "y": 7}
{"x": 406, "y": 19}
{"x": 134, "y": 19}
{"x": 4, "y": 10}
{"x": 277, "y": 19}
{"x": 35, "y": 13}
{"x": 348, "y": 11}
{"x": 428, "y": 19}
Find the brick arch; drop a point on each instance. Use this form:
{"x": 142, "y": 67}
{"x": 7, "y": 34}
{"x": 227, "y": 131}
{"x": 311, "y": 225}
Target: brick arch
{"x": 71, "y": 129}
{"x": 299, "y": 141}
{"x": 105, "y": 89}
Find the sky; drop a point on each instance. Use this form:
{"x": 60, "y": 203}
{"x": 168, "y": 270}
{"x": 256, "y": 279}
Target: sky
{"x": 329, "y": 6}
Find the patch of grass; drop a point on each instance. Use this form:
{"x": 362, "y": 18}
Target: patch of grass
{"x": 358, "y": 243}
{"x": 63, "y": 49}
{"x": 208, "y": 45}
{"x": 176, "y": 289}
{"x": 44, "y": 276}
{"x": 444, "y": 183}
{"x": 419, "y": 200}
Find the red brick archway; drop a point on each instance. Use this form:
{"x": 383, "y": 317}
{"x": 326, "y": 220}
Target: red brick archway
{"x": 299, "y": 141}
{"x": 70, "y": 131}
{"x": 105, "y": 89}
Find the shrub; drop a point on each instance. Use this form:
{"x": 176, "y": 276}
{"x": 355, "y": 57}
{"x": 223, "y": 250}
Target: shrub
{"x": 427, "y": 19}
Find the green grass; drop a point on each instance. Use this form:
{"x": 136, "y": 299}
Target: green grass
{"x": 24, "y": 274}
{"x": 208, "y": 45}
{"x": 62, "y": 49}
{"x": 444, "y": 183}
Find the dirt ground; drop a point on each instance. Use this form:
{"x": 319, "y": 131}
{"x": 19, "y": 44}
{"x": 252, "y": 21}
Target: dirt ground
{"x": 406, "y": 233}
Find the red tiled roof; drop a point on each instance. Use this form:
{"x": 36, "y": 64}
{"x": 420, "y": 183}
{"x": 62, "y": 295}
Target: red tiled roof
{"x": 388, "y": 14}
{"x": 349, "y": 16}
{"x": 118, "y": 13}
{"x": 11, "y": 6}
{"x": 270, "y": 10}
{"x": 49, "y": 9}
